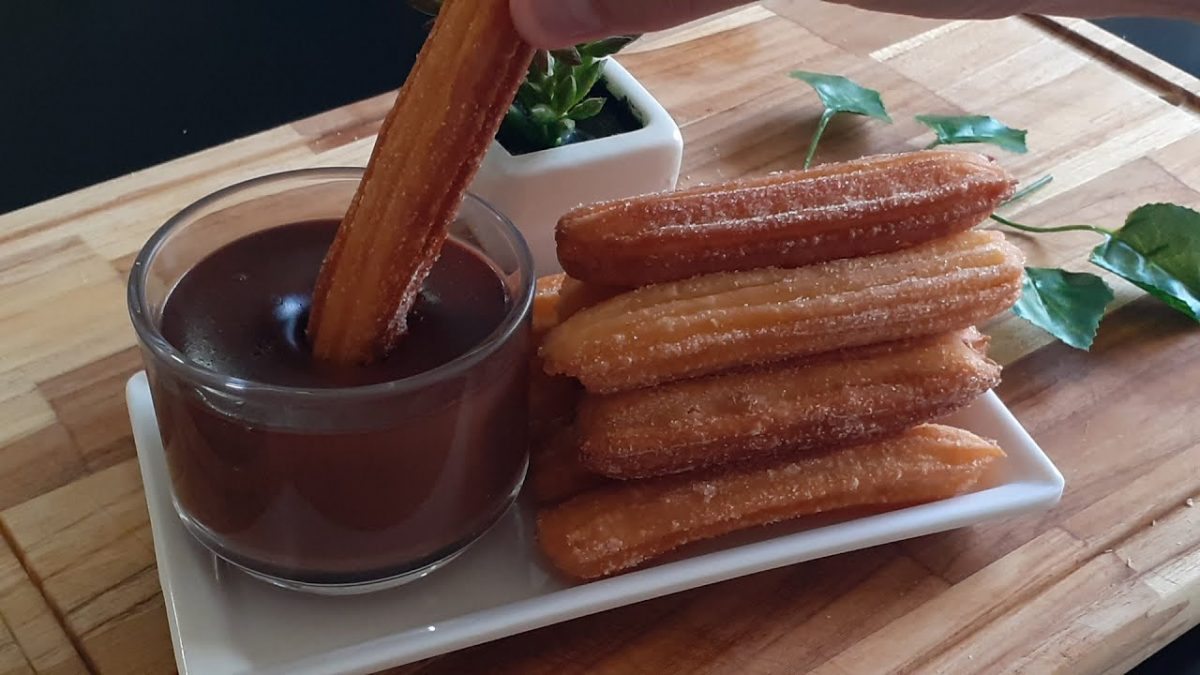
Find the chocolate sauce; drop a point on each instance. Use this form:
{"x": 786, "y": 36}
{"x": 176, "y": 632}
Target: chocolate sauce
{"x": 243, "y": 311}
{"x": 346, "y": 488}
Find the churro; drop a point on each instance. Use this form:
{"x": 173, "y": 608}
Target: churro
{"x": 716, "y": 322}
{"x": 559, "y": 297}
{"x": 428, "y": 149}
{"x": 576, "y": 295}
{"x": 555, "y": 473}
{"x": 547, "y": 298}
{"x": 844, "y": 398}
{"x": 552, "y": 400}
{"x": 621, "y": 525}
{"x": 863, "y": 207}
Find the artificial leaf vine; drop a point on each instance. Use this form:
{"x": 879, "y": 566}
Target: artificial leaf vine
{"x": 1068, "y": 305}
{"x": 974, "y": 129}
{"x": 839, "y": 95}
{"x": 1157, "y": 249}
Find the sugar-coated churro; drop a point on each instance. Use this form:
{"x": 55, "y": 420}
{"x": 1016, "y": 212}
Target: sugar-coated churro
{"x": 716, "y": 322}
{"x": 552, "y": 400}
{"x": 555, "y": 473}
{"x": 547, "y": 298}
{"x": 623, "y": 524}
{"x": 862, "y": 207}
{"x": 576, "y": 295}
{"x": 844, "y": 398}
{"x": 428, "y": 149}
{"x": 559, "y": 297}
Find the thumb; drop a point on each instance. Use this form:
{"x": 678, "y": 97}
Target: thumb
{"x": 559, "y": 23}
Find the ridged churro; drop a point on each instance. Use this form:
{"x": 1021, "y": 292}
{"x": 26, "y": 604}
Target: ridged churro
{"x": 844, "y": 398}
{"x": 428, "y": 149}
{"x": 552, "y": 400}
{"x": 576, "y": 295}
{"x": 555, "y": 473}
{"x": 547, "y": 298}
{"x": 863, "y": 207}
{"x": 619, "y": 526}
{"x": 559, "y": 297}
{"x": 716, "y": 322}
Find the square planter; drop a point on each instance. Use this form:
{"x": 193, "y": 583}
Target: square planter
{"x": 536, "y": 188}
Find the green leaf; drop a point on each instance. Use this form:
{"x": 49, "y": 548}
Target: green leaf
{"x": 606, "y": 47}
{"x": 587, "y": 108}
{"x": 564, "y": 129}
{"x": 543, "y": 114}
{"x": 529, "y": 95}
{"x": 1158, "y": 250}
{"x": 517, "y": 122}
{"x": 839, "y": 95}
{"x": 586, "y": 77}
{"x": 974, "y": 129}
{"x": 1169, "y": 235}
{"x": 1068, "y": 305}
{"x": 844, "y": 96}
{"x": 563, "y": 96}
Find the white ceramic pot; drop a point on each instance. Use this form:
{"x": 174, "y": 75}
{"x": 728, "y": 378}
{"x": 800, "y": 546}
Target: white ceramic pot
{"x": 534, "y": 189}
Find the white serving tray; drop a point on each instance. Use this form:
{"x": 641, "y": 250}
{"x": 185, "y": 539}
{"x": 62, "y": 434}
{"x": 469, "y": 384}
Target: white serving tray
{"x": 223, "y": 621}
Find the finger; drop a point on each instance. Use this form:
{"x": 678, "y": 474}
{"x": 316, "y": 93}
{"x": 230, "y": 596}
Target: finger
{"x": 558, "y": 23}
{"x": 955, "y": 9}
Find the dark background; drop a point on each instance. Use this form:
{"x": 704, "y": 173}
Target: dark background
{"x": 90, "y": 90}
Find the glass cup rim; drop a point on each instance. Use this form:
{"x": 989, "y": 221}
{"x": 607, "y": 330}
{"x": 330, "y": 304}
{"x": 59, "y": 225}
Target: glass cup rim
{"x": 165, "y": 353}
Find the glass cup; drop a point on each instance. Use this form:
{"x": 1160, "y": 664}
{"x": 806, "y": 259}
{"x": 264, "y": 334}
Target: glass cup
{"x": 336, "y": 490}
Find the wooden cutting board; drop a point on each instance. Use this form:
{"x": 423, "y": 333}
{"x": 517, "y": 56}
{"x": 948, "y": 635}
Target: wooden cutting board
{"x": 1095, "y": 585}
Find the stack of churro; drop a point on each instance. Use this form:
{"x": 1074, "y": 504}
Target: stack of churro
{"x": 734, "y": 355}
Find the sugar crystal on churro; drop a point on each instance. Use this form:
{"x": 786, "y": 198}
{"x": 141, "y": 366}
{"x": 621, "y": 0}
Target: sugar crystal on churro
{"x": 715, "y": 322}
{"x": 862, "y": 207}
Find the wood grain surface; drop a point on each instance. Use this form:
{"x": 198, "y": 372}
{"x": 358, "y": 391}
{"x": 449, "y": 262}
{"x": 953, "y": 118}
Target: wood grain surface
{"x": 1093, "y": 586}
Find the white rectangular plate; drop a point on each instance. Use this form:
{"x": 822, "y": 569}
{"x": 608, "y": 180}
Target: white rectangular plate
{"x": 222, "y": 621}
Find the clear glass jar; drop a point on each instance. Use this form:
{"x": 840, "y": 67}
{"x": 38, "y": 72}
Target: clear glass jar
{"x": 336, "y": 490}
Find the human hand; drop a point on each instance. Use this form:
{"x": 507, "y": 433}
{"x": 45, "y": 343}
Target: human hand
{"x": 549, "y": 24}
{"x": 997, "y": 9}
{"x": 559, "y": 23}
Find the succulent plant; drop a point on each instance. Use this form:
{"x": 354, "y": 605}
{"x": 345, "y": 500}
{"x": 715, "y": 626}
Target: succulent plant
{"x": 556, "y": 92}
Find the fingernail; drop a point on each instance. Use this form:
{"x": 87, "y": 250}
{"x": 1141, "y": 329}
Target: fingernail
{"x": 568, "y": 21}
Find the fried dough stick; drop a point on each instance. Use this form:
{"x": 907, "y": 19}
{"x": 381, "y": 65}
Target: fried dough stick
{"x": 862, "y": 207}
{"x": 428, "y": 149}
{"x": 619, "y": 526}
{"x": 712, "y": 323}
{"x": 821, "y": 402}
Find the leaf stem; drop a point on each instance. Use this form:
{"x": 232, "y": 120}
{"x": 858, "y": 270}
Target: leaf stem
{"x": 936, "y": 142}
{"x": 816, "y": 137}
{"x": 1028, "y": 190}
{"x": 1064, "y": 228}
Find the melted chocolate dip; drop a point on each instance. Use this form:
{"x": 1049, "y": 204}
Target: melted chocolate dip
{"x": 352, "y": 489}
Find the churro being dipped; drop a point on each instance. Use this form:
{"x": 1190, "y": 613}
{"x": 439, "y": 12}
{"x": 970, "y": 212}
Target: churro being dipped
{"x": 862, "y": 207}
{"x": 716, "y": 322}
{"x": 429, "y": 148}
{"x": 820, "y": 402}
{"x": 623, "y": 524}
